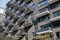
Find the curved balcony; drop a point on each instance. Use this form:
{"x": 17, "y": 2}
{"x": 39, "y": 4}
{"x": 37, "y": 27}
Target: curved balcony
{"x": 10, "y": 24}
{"x": 27, "y": 1}
{"x": 16, "y": 17}
{"x": 22, "y": 8}
{"x": 55, "y": 19}
{"x": 21, "y": 20}
{"x": 20, "y": 33}
{"x": 28, "y": 11}
{"x": 6, "y": 22}
{"x": 10, "y": 4}
{"x": 42, "y": 14}
{"x": 27, "y": 26}
{"x": 16, "y": 27}
{"x": 8, "y": 12}
{"x": 19, "y": 7}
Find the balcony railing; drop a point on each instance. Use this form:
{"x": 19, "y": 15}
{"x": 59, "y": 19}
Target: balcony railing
{"x": 8, "y": 12}
{"x": 21, "y": 20}
{"x": 27, "y": 0}
{"x": 28, "y": 11}
{"x": 20, "y": 33}
{"x": 10, "y": 3}
{"x": 42, "y": 14}
{"x": 42, "y": 31}
{"x": 55, "y": 19}
{"x": 6, "y": 22}
{"x": 16, "y": 27}
{"x": 28, "y": 24}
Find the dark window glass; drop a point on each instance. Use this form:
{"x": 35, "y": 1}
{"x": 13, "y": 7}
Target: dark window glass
{"x": 56, "y": 24}
{"x": 16, "y": 0}
{"x": 43, "y": 2}
{"x": 44, "y": 18}
{"x": 57, "y": 13}
{"x": 44, "y": 9}
{"x": 21, "y": 2}
{"x": 58, "y": 35}
{"x": 46, "y": 26}
{"x": 14, "y": 32}
{"x": 54, "y": 5}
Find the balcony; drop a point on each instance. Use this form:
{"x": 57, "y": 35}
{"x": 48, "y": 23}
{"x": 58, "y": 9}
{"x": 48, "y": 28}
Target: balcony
{"x": 6, "y": 22}
{"x": 10, "y": 4}
{"x": 28, "y": 11}
{"x": 16, "y": 17}
{"x": 20, "y": 33}
{"x": 11, "y": 21}
{"x": 56, "y": 16}
{"x": 27, "y": 0}
{"x": 16, "y": 27}
{"x": 42, "y": 14}
{"x": 21, "y": 20}
{"x": 22, "y": 8}
{"x": 43, "y": 31}
{"x": 8, "y": 12}
{"x": 19, "y": 7}
{"x": 10, "y": 24}
{"x": 55, "y": 19}
{"x": 28, "y": 24}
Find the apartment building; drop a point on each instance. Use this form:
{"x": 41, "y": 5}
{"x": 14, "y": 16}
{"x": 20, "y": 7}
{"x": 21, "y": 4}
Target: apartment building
{"x": 47, "y": 17}
{"x": 32, "y": 19}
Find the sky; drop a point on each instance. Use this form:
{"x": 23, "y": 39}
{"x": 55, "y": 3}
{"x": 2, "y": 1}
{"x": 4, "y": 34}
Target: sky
{"x": 3, "y": 3}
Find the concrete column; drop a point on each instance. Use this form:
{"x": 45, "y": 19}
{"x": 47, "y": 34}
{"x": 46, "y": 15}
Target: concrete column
{"x": 54, "y": 35}
{"x": 30, "y": 35}
{"x": 24, "y": 38}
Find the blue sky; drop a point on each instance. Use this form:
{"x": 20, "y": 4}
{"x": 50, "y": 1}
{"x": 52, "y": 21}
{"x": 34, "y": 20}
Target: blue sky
{"x": 3, "y": 3}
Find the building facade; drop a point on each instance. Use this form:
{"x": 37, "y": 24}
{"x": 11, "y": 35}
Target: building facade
{"x": 33, "y": 19}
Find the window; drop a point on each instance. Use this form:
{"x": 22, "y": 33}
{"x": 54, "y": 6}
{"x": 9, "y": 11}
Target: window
{"x": 11, "y": 9}
{"x": 14, "y": 32}
{"x": 36, "y": 27}
{"x": 44, "y": 18}
{"x": 19, "y": 14}
{"x": 56, "y": 24}
{"x": 44, "y": 9}
{"x": 58, "y": 35}
{"x": 57, "y": 13}
{"x": 16, "y": 1}
{"x": 26, "y": 36}
{"x": 46, "y": 26}
{"x": 51, "y": 6}
{"x": 54, "y": 5}
{"x": 10, "y": 27}
{"x": 33, "y": 7}
{"x": 21, "y": 2}
{"x": 15, "y": 20}
{"x": 43, "y": 3}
